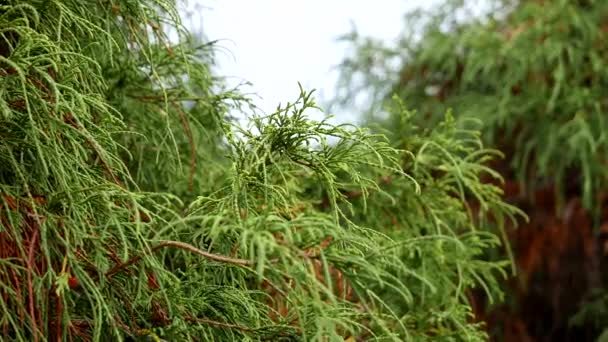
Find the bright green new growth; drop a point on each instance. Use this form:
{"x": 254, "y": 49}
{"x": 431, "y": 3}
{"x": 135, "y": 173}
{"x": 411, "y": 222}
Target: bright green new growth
{"x": 132, "y": 205}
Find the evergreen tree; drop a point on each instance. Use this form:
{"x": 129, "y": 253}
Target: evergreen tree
{"x": 534, "y": 72}
{"x": 133, "y": 206}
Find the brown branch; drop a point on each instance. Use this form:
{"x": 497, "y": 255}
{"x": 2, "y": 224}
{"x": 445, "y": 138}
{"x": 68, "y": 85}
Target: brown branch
{"x": 217, "y": 324}
{"x": 143, "y": 332}
{"x": 30, "y": 289}
{"x": 18, "y": 292}
{"x": 135, "y": 331}
{"x": 184, "y": 246}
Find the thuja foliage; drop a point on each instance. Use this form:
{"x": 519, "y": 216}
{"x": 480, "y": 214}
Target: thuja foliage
{"x": 532, "y": 71}
{"x": 133, "y": 206}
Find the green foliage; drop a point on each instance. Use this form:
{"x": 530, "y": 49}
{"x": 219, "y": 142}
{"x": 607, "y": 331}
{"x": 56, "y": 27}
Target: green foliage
{"x": 534, "y": 73}
{"x": 132, "y": 205}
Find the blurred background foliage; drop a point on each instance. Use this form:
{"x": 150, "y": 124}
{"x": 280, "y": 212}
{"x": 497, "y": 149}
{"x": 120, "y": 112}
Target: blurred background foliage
{"x": 534, "y": 73}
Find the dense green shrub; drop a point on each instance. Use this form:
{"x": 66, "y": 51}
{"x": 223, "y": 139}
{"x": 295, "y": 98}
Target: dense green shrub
{"x": 133, "y": 205}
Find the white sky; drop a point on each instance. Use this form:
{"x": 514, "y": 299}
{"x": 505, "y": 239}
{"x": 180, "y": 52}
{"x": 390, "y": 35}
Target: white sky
{"x": 276, "y": 43}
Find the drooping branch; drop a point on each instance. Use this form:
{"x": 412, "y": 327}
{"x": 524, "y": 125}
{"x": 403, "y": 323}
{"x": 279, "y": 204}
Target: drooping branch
{"x": 180, "y": 245}
{"x": 224, "y": 325}
{"x": 217, "y": 324}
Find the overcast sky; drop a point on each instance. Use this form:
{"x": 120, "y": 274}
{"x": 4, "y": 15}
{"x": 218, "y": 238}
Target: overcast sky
{"x": 276, "y": 43}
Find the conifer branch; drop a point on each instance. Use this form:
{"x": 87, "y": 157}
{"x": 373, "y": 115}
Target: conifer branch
{"x": 218, "y": 324}
{"x": 180, "y": 245}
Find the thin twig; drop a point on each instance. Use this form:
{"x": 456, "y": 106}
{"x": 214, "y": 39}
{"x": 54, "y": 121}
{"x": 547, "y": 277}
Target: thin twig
{"x": 30, "y": 289}
{"x": 218, "y": 324}
{"x": 180, "y": 245}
